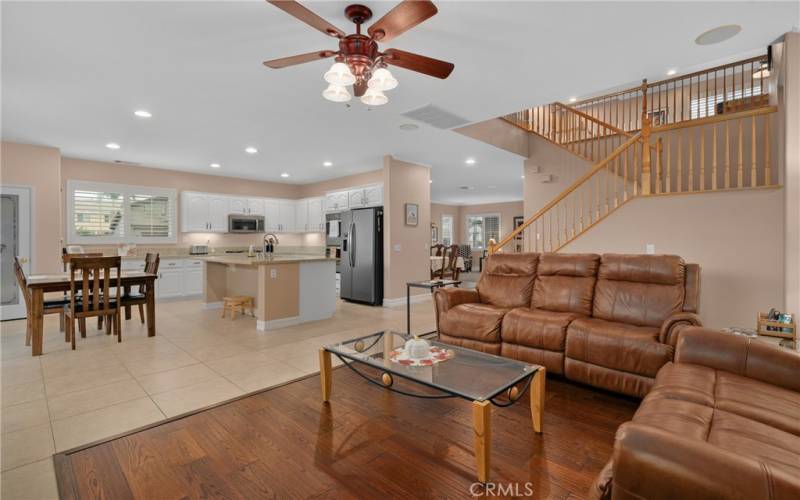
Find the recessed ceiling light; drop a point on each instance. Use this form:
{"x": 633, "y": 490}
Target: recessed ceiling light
{"x": 285, "y": 175}
{"x": 215, "y": 165}
{"x": 250, "y": 150}
{"x": 718, "y": 34}
{"x": 409, "y": 127}
{"x": 522, "y": 176}
{"x": 112, "y": 145}
{"x": 430, "y": 181}
{"x": 573, "y": 99}
{"x": 327, "y": 164}
{"x": 142, "y": 113}
{"x": 470, "y": 161}
{"x": 672, "y": 72}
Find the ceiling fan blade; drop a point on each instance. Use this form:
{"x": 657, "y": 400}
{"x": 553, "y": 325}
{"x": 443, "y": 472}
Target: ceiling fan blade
{"x": 402, "y": 18}
{"x": 418, "y": 63}
{"x": 299, "y": 59}
{"x": 360, "y": 88}
{"x": 295, "y": 9}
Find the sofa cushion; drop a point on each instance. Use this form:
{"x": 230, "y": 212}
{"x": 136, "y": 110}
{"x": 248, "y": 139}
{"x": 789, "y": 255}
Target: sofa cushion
{"x": 620, "y": 346}
{"x": 639, "y": 289}
{"x": 537, "y": 328}
{"x": 507, "y": 280}
{"x": 692, "y": 383}
{"x": 473, "y": 321}
{"x": 565, "y": 282}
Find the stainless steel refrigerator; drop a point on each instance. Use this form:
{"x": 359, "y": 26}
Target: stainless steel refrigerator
{"x": 362, "y": 255}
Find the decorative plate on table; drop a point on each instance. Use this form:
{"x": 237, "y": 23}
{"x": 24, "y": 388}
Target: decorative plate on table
{"x": 437, "y": 355}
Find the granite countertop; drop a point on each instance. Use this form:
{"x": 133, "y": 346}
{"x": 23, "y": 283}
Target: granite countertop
{"x": 244, "y": 260}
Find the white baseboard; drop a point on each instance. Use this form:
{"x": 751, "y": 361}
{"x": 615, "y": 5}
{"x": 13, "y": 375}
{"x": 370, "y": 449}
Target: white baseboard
{"x": 401, "y": 301}
{"x": 274, "y": 324}
{"x": 212, "y": 305}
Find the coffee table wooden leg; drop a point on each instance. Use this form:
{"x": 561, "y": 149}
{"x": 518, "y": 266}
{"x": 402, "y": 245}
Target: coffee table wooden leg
{"x": 325, "y": 374}
{"x": 482, "y": 427}
{"x": 537, "y": 398}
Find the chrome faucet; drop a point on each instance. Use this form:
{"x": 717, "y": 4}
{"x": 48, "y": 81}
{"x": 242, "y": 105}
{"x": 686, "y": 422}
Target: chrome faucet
{"x": 269, "y": 240}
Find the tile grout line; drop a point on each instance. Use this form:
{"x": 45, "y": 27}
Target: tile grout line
{"x": 140, "y": 386}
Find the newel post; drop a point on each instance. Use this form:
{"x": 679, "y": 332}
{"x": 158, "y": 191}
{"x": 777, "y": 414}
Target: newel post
{"x": 645, "y": 142}
{"x": 492, "y": 246}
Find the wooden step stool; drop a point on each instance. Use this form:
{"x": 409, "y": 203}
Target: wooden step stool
{"x": 238, "y": 303}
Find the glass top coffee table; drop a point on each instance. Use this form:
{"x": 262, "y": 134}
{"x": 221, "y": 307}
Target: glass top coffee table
{"x": 450, "y": 371}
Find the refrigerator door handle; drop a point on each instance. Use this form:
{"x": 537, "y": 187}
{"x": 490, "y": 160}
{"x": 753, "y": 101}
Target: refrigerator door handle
{"x": 352, "y": 244}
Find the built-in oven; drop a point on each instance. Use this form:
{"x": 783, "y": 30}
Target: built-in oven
{"x": 241, "y": 223}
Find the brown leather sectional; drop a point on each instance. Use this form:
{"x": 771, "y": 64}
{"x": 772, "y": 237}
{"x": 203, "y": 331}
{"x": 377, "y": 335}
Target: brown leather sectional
{"x": 722, "y": 421}
{"x": 608, "y": 321}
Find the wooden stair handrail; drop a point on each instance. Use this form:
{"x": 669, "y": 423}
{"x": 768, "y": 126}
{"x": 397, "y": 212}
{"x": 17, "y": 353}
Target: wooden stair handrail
{"x": 575, "y": 185}
{"x": 593, "y": 119}
{"x": 697, "y": 122}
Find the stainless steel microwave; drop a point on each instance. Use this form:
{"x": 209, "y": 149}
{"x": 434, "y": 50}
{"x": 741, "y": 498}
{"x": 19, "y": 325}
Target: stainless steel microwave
{"x": 241, "y": 223}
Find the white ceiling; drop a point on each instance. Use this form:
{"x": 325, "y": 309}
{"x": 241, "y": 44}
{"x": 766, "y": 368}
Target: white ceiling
{"x": 74, "y": 72}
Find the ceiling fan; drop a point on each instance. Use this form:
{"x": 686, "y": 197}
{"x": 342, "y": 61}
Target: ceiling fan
{"x": 359, "y": 62}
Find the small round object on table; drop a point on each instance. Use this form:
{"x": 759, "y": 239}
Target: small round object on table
{"x": 387, "y": 379}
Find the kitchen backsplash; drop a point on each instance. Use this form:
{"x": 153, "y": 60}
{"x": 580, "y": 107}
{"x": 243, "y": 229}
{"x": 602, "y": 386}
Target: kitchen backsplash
{"x": 177, "y": 251}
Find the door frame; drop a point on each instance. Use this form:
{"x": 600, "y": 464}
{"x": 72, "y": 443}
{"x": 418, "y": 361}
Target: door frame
{"x": 23, "y": 191}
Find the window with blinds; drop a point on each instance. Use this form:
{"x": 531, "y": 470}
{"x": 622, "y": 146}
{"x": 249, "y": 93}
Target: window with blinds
{"x": 115, "y": 213}
{"x": 447, "y": 229}
{"x": 481, "y": 229}
{"x": 702, "y": 107}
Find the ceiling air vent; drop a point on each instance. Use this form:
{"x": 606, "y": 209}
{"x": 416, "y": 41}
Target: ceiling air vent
{"x": 466, "y": 188}
{"x": 123, "y": 162}
{"x": 436, "y": 117}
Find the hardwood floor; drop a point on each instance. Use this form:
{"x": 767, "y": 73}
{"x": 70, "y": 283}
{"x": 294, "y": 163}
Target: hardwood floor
{"x": 367, "y": 443}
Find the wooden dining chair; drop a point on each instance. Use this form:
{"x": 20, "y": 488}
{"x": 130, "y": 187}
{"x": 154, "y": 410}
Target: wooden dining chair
{"x": 53, "y": 306}
{"x": 151, "y": 262}
{"x": 437, "y": 250}
{"x": 66, "y": 258}
{"x": 450, "y": 269}
{"x": 90, "y": 279}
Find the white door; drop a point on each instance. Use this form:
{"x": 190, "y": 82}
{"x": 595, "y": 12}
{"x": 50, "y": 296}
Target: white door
{"x": 316, "y": 221}
{"x": 195, "y": 213}
{"x": 301, "y": 215}
{"x": 272, "y": 214}
{"x": 15, "y": 240}
{"x": 255, "y": 206}
{"x": 237, "y": 205}
{"x": 218, "y": 214}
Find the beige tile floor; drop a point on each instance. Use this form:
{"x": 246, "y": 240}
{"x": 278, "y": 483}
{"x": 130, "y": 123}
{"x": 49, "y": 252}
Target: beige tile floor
{"x": 67, "y": 398}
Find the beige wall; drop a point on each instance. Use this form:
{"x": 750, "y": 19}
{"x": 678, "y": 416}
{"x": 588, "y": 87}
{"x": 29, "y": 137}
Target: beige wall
{"x": 545, "y": 158}
{"x": 406, "y": 248}
{"x": 319, "y": 188}
{"x": 39, "y": 168}
{"x": 789, "y": 94}
{"x": 735, "y": 236}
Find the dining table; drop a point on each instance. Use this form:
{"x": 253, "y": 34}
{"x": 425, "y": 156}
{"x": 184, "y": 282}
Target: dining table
{"x": 39, "y": 284}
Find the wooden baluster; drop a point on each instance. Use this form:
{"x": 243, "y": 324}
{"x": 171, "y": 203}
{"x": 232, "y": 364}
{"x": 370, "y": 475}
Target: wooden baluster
{"x": 714, "y": 157}
{"x": 625, "y": 176}
{"x": 608, "y": 188}
{"x": 659, "y": 149}
{"x": 753, "y": 144}
{"x": 635, "y": 170}
{"x": 574, "y": 210}
{"x": 740, "y": 173}
{"x": 616, "y": 181}
{"x": 703, "y": 155}
{"x": 690, "y": 139}
{"x": 767, "y": 168}
{"x": 645, "y": 143}
{"x": 679, "y": 179}
{"x": 668, "y": 181}
{"x": 727, "y": 155}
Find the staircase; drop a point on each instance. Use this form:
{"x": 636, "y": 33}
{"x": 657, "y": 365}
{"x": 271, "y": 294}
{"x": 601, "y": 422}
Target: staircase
{"x": 707, "y": 131}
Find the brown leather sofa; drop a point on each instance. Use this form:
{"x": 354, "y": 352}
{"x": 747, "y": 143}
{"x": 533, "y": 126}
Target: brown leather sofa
{"x": 606, "y": 321}
{"x": 722, "y": 421}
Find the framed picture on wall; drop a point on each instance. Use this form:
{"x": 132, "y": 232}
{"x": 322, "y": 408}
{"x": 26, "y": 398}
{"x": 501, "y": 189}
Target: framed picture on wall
{"x": 412, "y": 214}
{"x": 518, "y": 221}
{"x": 658, "y": 117}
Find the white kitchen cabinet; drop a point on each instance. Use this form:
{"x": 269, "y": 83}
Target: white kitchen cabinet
{"x": 169, "y": 282}
{"x": 286, "y": 215}
{"x": 271, "y": 214}
{"x": 192, "y": 277}
{"x": 367, "y": 196}
{"x": 203, "y": 213}
{"x": 316, "y": 216}
{"x": 237, "y": 205}
{"x": 246, "y": 206}
{"x": 301, "y": 215}
{"x": 255, "y": 206}
{"x": 336, "y": 201}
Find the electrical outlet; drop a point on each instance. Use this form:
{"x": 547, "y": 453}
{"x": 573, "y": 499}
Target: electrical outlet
{"x": 397, "y": 247}
{"x": 273, "y": 273}
{"x": 650, "y": 249}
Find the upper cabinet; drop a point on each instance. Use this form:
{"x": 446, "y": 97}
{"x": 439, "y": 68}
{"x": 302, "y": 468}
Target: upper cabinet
{"x": 255, "y": 206}
{"x": 336, "y": 201}
{"x": 309, "y": 217}
{"x": 203, "y": 213}
{"x": 286, "y": 216}
{"x": 364, "y": 196}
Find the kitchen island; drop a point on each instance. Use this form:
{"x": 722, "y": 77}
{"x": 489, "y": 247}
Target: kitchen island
{"x": 288, "y": 289}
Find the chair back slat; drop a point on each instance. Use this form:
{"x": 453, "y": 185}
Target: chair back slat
{"x": 97, "y": 273}
{"x": 22, "y": 281}
{"x": 151, "y": 263}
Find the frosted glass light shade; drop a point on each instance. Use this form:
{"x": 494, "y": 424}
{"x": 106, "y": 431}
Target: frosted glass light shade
{"x": 382, "y": 80}
{"x": 340, "y": 74}
{"x": 374, "y": 97}
{"x": 336, "y": 93}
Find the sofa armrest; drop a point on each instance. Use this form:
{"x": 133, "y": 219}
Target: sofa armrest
{"x": 740, "y": 355}
{"x": 447, "y": 298}
{"x": 676, "y": 322}
{"x": 656, "y": 464}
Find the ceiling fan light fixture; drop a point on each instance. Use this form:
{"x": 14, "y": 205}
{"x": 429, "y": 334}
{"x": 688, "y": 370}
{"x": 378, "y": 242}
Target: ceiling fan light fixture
{"x": 336, "y": 93}
{"x": 382, "y": 80}
{"x": 373, "y": 97}
{"x": 340, "y": 75}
